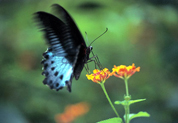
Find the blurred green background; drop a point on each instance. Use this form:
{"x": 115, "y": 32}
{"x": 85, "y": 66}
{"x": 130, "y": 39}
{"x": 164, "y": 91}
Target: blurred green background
{"x": 144, "y": 32}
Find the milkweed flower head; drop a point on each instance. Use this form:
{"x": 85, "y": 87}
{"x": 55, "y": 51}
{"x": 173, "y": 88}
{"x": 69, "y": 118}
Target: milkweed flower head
{"x": 99, "y": 76}
{"x": 124, "y": 72}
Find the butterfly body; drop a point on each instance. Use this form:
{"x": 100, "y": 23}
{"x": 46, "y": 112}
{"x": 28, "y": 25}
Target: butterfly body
{"x": 67, "y": 52}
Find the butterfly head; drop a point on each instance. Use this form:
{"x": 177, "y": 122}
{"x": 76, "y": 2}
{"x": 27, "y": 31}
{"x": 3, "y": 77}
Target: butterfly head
{"x": 88, "y": 51}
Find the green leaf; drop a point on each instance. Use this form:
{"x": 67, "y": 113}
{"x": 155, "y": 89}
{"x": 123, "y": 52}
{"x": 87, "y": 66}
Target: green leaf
{"x": 112, "y": 120}
{"x": 139, "y": 114}
{"x": 135, "y": 101}
{"x": 130, "y": 102}
{"x": 120, "y": 102}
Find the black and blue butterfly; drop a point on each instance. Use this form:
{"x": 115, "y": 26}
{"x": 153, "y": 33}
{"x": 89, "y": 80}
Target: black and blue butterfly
{"x": 67, "y": 52}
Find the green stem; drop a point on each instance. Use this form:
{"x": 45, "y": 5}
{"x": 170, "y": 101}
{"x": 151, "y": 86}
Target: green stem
{"x": 127, "y": 98}
{"x": 127, "y": 111}
{"x": 105, "y": 92}
{"x": 126, "y": 87}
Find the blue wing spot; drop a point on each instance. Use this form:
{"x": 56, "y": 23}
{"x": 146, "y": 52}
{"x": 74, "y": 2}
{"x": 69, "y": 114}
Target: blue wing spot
{"x": 50, "y": 82}
{"x": 52, "y": 68}
{"x": 61, "y": 77}
{"x": 45, "y": 66}
{"x": 52, "y": 62}
{"x": 57, "y": 84}
{"x": 45, "y": 81}
{"x": 46, "y": 74}
{"x": 43, "y": 73}
{"x": 68, "y": 85}
{"x": 50, "y": 49}
{"x": 59, "y": 88}
{"x": 66, "y": 82}
{"x": 45, "y": 55}
{"x": 42, "y": 62}
{"x": 56, "y": 73}
{"x": 51, "y": 86}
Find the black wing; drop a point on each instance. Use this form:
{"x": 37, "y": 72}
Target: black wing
{"x": 66, "y": 44}
{"x": 73, "y": 29}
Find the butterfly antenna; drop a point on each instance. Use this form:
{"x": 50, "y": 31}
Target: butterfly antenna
{"x": 86, "y": 38}
{"x": 99, "y": 36}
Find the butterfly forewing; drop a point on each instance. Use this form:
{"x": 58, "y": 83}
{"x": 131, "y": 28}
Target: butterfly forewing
{"x": 67, "y": 19}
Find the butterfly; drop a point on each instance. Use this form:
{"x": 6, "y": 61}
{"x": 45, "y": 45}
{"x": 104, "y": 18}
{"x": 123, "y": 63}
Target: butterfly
{"x": 67, "y": 53}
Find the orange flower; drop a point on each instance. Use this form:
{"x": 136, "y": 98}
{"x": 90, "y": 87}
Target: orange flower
{"x": 99, "y": 75}
{"x": 123, "y": 71}
{"x": 72, "y": 112}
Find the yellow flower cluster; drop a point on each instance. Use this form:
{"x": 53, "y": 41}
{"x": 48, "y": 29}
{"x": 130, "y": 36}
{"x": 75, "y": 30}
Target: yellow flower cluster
{"x": 99, "y": 75}
{"x": 121, "y": 71}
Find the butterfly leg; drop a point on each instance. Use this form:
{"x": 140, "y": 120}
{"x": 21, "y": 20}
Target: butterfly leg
{"x": 96, "y": 61}
{"x": 87, "y": 68}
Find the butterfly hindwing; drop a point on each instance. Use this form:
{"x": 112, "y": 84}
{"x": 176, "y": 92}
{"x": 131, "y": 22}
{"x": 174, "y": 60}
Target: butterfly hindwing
{"x": 57, "y": 70}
